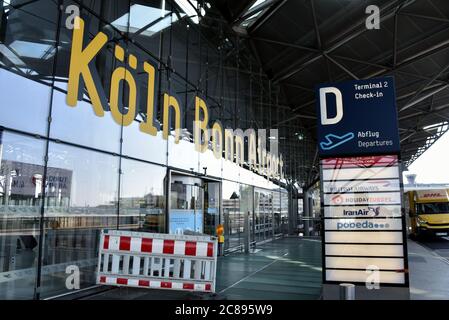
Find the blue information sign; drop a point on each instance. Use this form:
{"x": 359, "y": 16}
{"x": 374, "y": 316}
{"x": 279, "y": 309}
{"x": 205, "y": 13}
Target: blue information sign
{"x": 357, "y": 118}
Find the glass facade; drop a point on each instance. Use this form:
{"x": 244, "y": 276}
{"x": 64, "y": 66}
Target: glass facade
{"x": 66, "y": 173}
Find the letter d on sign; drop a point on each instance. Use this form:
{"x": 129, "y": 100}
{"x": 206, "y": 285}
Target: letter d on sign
{"x": 323, "y": 105}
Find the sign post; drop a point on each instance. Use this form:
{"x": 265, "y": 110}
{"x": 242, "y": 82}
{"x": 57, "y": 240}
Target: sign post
{"x": 364, "y": 235}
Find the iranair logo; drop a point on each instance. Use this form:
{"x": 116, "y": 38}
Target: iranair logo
{"x": 365, "y": 212}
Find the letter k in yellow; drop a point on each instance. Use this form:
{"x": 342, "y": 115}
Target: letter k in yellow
{"x": 79, "y": 66}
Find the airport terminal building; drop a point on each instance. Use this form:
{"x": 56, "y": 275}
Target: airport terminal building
{"x": 179, "y": 117}
{"x": 66, "y": 173}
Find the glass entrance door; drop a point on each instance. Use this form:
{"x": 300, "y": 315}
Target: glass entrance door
{"x": 211, "y": 206}
{"x": 186, "y": 215}
{"x": 263, "y": 215}
{"x": 259, "y": 213}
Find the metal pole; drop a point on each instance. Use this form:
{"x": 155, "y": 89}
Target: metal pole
{"x": 306, "y": 213}
{"x": 347, "y": 291}
{"x": 247, "y": 232}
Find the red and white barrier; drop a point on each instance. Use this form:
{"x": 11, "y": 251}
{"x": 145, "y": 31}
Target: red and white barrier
{"x": 153, "y": 260}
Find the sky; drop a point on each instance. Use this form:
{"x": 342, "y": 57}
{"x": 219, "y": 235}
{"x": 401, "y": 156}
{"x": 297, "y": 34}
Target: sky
{"x": 433, "y": 165}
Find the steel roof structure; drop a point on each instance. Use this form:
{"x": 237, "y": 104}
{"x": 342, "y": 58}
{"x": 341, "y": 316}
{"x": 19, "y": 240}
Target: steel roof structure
{"x": 300, "y": 43}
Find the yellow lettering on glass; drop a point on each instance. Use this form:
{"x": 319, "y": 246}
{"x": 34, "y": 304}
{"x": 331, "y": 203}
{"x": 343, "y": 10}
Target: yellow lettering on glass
{"x": 122, "y": 74}
{"x": 229, "y": 144}
{"x": 79, "y": 66}
{"x": 252, "y": 148}
{"x": 217, "y": 139}
{"x": 239, "y": 147}
{"x": 170, "y": 102}
{"x": 200, "y": 126}
{"x": 148, "y": 125}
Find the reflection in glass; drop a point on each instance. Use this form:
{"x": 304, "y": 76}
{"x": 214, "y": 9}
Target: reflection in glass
{"x": 211, "y": 207}
{"x": 263, "y": 215}
{"x": 82, "y": 201}
{"x": 21, "y": 174}
{"x": 145, "y": 20}
{"x": 142, "y": 200}
{"x": 186, "y": 206}
{"x": 232, "y": 216}
{"x": 247, "y": 207}
{"x": 284, "y": 213}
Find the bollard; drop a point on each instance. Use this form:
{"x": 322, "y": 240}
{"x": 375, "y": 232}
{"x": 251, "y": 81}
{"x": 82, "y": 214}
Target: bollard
{"x": 347, "y": 291}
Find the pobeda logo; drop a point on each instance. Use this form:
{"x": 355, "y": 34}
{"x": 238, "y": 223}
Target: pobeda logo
{"x": 361, "y": 225}
{"x": 84, "y": 74}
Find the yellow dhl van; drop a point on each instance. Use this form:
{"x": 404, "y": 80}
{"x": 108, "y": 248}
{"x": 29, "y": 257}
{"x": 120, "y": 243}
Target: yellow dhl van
{"x": 428, "y": 212}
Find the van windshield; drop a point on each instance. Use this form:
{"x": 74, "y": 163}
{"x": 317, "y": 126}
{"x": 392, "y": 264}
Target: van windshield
{"x": 430, "y": 208}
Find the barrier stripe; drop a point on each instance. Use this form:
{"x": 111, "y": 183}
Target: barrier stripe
{"x": 158, "y": 245}
{"x": 133, "y": 282}
{"x": 180, "y": 263}
{"x": 136, "y": 244}
{"x": 114, "y": 242}
{"x": 163, "y": 246}
{"x": 147, "y": 245}
{"x": 190, "y": 248}
{"x": 169, "y": 247}
{"x": 210, "y": 249}
{"x": 144, "y": 283}
{"x": 125, "y": 243}
{"x": 156, "y": 284}
{"x": 106, "y": 242}
{"x": 187, "y": 286}
{"x": 201, "y": 249}
{"x": 180, "y": 247}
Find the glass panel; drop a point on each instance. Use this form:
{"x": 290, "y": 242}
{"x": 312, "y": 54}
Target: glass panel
{"x": 142, "y": 201}
{"x": 26, "y": 112}
{"x": 136, "y": 143}
{"x": 24, "y": 48}
{"x": 27, "y": 52}
{"x": 284, "y": 213}
{"x": 277, "y": 212}
{"x": 186, "y": 205}
{"x": 258, "y": 215}
{"x": 232, "y": 217}
{"x": 81, "y": 202}
{"x": 182, "y": 155}
{"x": 269, "y": 216}
{"x": 21, "y": 175}
{"x": 211, "y": 207}
{"x": 79, "y": 124}
{"x": 263, "y": 215}
{"x": 247, "y": 206}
